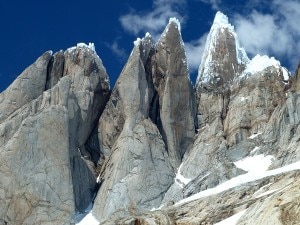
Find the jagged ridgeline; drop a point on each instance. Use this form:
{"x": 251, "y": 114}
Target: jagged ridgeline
{"x": 154, "y": 149}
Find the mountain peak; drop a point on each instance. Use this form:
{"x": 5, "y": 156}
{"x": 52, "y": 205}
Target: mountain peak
{"x": 223, "y": 58}
{"x": 173, "y": 28}
{"x": 221, "y": 18}
{"x": 90, "y": 47}
{"x": 175, "y": 22}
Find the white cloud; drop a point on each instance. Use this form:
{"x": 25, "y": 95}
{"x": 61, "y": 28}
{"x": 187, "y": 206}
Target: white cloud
{"x": 117, "y": 50}
{"x": 194, "y": 50}
{"x": 155, "y": 20}
{"x": 276, "y": 34}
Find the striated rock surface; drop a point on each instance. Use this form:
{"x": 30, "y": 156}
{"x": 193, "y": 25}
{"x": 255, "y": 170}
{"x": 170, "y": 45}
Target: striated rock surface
{"x": 146, "y": 127}
{"x": 138, "y": 159}
{"x": 45, "y": 176}
{"x": 130, "y": 99}
{"x": 137, "y": 174}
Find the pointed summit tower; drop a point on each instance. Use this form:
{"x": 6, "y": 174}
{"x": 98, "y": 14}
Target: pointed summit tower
{"x": 175, "y": 92}
{"x": 223, "y": 58}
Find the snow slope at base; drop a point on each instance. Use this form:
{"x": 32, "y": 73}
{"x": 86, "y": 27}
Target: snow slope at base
{"x": 239, "y": 180}
{"x": 89, "y": 219}
{"x": 232, "y": 220}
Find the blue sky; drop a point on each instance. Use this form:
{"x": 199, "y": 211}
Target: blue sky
{"x": 29, "y": 28}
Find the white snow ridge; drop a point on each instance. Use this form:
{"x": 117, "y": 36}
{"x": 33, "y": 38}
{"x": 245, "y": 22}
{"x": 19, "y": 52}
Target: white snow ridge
{"x": 241, "y": 179}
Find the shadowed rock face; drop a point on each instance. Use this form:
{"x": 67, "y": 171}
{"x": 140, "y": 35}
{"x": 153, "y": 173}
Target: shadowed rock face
{"x": 175, "y": 93}
{"x": 46, "y": 120}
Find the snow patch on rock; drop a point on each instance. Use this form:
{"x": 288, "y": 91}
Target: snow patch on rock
{"x": 180, "y": 179}
{"x": 90, "y": 46}
{"x": 87, "y": 217}
{"x": 255, "y": 149}
{"x": 255, "y": 164}
{"x": 175, "y": 20}
{"x": 137, "y": 42}
{"x": 259, "y": 63}
{"x": 254, "y": 136}
{"x": 222, "y": 20}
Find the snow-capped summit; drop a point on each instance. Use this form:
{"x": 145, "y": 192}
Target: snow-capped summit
{"x": 221, "y": 19}
{"x": 223, "y": 58}
{"x": 173, "y": 23}
{"x": 259, "y": 63}
{"x": 90, "y": 46}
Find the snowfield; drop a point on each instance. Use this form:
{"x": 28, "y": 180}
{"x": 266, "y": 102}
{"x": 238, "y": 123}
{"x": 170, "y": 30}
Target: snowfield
{"x": 241, "y": 179}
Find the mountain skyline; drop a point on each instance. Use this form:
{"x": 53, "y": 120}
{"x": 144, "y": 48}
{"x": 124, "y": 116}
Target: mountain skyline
{"x": 153, "y": 149}
{"x": 34, "y": 28}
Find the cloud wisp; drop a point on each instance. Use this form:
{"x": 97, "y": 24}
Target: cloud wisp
{"x": 276, "y": 33}
{"x": 117, "y": 50}
{"x": 155, "y": 20}
{"x": 194, "y": 50}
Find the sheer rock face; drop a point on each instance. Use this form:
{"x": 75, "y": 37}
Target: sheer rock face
{"x": 88, "y": 94}
{"x": 251, "y": 120}
{"x": 130, "y": 99}
{"x": 146, "y": 127}
{"x": 138, "y": 159}
{"x": 44, "y": 177}
{"x": 137, "y": 173}
{"x": 175, "y": 93}
{"x": 207, "y": 163}
{"x": 27, "y": 87}
{"x": 252, "y": 102}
